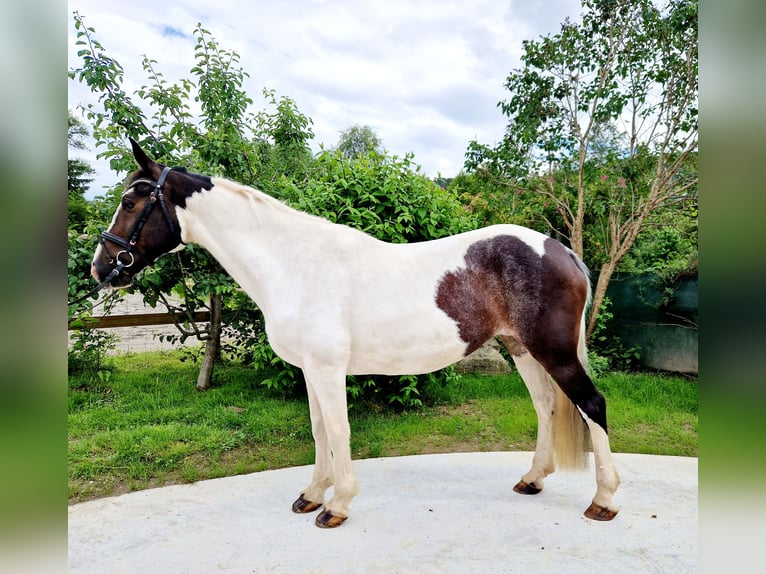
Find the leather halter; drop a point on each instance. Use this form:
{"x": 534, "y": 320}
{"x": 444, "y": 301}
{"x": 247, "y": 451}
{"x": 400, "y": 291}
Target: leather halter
{"x": 128, "y": 245}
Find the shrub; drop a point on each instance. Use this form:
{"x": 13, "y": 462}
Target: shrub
{"x": 606, "y": 351}
{"x": 88, "y": 352}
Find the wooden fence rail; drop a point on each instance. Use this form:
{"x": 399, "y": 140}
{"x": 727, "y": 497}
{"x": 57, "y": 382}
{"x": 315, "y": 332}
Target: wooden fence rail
{"x": 141, "y": 320}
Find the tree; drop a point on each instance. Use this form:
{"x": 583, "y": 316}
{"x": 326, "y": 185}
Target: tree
{"x": 79, "y": 174}
{"x": 226, "y": 139}
{"x": 359, "y": 140}
{"x": 627, "y": 71}
{"x": 282, "y": 143}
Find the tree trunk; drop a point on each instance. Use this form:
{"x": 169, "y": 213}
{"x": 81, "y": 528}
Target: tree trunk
{"x": 212, "y": 345}
{"x": 604, "y": 277}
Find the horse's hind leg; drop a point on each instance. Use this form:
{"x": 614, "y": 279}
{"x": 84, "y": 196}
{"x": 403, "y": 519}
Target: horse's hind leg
{"x": 541, "y": 390}
{"x": 577, "y": 385}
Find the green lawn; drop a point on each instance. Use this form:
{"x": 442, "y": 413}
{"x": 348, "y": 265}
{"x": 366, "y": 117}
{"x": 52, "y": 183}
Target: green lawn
{"x": 145, "y": 425}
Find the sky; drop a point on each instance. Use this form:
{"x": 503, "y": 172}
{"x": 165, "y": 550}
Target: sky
{"x": 425, "y": 75}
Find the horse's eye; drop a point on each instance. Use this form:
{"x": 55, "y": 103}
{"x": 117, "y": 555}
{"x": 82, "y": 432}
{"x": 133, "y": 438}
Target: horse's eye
{"x": 128, "y": 204}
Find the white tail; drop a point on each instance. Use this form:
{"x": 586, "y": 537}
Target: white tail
{"x": 569, "y": 428}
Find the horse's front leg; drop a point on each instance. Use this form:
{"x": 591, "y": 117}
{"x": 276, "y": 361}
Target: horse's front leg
{"x": 312, "y": 496}
{"x": 328, "y": 385}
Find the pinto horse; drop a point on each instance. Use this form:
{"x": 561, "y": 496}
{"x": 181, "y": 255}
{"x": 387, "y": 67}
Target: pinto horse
{"x": 337, "y": 301}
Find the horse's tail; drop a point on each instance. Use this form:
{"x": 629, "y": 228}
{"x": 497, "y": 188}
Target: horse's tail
{"x": 569, "y": 428}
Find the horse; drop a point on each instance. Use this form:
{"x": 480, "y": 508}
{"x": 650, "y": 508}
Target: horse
{"x": 338, "y": 302}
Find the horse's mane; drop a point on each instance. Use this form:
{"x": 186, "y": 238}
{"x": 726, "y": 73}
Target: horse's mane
{"x": 259, "y": 199}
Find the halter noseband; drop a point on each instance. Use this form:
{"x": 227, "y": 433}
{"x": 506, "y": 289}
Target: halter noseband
{"x": 129, "y": 244}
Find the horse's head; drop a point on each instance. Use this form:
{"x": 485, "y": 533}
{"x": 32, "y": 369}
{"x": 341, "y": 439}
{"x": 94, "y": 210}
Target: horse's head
{"x": 145, "y": 225}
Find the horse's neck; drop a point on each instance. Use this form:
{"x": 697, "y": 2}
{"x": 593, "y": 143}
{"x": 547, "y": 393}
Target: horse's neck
{"x": 250, "y": 234}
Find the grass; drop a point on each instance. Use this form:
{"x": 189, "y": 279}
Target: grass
{"x": 143, "y": 424}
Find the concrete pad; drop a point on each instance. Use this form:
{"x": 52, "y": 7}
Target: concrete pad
{"x": 432, "y": 513}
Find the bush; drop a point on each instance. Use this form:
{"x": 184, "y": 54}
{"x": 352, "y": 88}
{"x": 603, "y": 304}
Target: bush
{"x": 89, "y": 348}
{"x": 606, "y": 351}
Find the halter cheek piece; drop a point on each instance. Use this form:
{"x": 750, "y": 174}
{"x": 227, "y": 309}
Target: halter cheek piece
{"x": 129, "y": 249}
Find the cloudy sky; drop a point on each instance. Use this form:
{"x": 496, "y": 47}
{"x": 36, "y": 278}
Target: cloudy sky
{"x": 425, "y": 75}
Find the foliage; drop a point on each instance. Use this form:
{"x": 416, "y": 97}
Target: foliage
{"x": 602, "y": 127}
{"x": 79, "y": 174}
{"x": 492, "y": 202}
{"x": 606, "y": 351}
{"x": 384, "y": 196}
{"x": 78, "y": 214}
{"x": 87, "y": 353}
{"x": 668, "y": 248}
{"x": 282, "y": 144}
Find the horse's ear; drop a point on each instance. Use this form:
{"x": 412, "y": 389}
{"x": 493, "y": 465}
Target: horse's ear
{"x": 141, "y": 158}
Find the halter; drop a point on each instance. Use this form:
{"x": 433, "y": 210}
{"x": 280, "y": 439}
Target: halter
{"x": 129, "y": 245}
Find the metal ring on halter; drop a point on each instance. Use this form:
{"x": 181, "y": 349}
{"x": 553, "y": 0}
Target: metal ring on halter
{"x": 132, "y": 257}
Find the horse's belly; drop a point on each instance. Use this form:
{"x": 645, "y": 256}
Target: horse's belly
{"x": 406, "y": 352}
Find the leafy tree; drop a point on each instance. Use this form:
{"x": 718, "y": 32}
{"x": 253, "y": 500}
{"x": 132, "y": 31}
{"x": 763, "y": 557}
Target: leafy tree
{"x": 385, "y": 196}
{"x": 358, "y": 141}
{"x": 226, "y": 139}
{"x": 602, "y": 126}
{"x": 282, "y": 143}
{"x": 78, "y": 181}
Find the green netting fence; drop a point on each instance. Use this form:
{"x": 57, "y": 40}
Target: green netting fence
{"x": 661, "y": 320}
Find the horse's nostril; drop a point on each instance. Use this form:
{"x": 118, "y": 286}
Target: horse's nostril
{"x": 93, "y": 272}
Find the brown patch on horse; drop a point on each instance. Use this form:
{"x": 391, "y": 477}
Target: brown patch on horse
{"x": 506, "y": 287}
{"x": 498, "y": 288}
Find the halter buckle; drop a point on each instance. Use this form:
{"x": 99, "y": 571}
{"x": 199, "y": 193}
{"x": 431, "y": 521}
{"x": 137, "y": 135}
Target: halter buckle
{"x": 132, "y": 258}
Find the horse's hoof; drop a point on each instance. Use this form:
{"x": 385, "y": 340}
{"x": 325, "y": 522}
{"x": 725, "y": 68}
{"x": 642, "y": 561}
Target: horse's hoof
{"x": 598, "y": 512}
{"x": 327, "y": 519}
{"x": 303, "y": 506}
{"x": 526, "y": 488}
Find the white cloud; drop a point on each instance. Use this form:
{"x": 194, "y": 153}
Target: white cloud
{"x": 425, "y": 75}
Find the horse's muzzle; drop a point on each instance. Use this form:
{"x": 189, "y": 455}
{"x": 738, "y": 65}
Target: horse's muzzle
{"x": 122, "y": 279}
